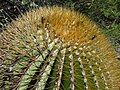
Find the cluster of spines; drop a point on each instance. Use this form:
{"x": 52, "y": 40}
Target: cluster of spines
{"x": 44, "y": 60}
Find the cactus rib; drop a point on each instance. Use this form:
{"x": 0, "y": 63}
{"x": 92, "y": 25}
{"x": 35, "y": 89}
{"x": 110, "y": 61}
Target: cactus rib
{"x": 60, "y": 66}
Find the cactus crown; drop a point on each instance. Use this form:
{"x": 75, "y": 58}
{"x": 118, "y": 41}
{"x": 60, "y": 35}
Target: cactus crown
{"x": 55, "y": 48}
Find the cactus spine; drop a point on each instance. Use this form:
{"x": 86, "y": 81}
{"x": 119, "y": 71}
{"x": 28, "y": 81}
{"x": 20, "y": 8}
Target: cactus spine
{"x": 54, "y": 48}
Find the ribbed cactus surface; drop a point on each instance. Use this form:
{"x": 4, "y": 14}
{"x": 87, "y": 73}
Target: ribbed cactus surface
{"x": 56, "y": 49}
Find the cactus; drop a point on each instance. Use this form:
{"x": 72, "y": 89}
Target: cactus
{"x": 54, "y": 48}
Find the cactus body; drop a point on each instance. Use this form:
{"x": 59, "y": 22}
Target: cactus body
{"x": 56, "y": 49}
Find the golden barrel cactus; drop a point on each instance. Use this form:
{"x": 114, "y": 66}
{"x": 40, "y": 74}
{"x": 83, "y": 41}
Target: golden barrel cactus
{"x": 54, "y": 48}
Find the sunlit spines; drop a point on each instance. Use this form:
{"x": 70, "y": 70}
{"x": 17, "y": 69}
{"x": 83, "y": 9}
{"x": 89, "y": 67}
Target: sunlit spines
{"x": 85, "y": 60}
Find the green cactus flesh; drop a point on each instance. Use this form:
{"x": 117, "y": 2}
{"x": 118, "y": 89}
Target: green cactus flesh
{"x": 56, "y": 49}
